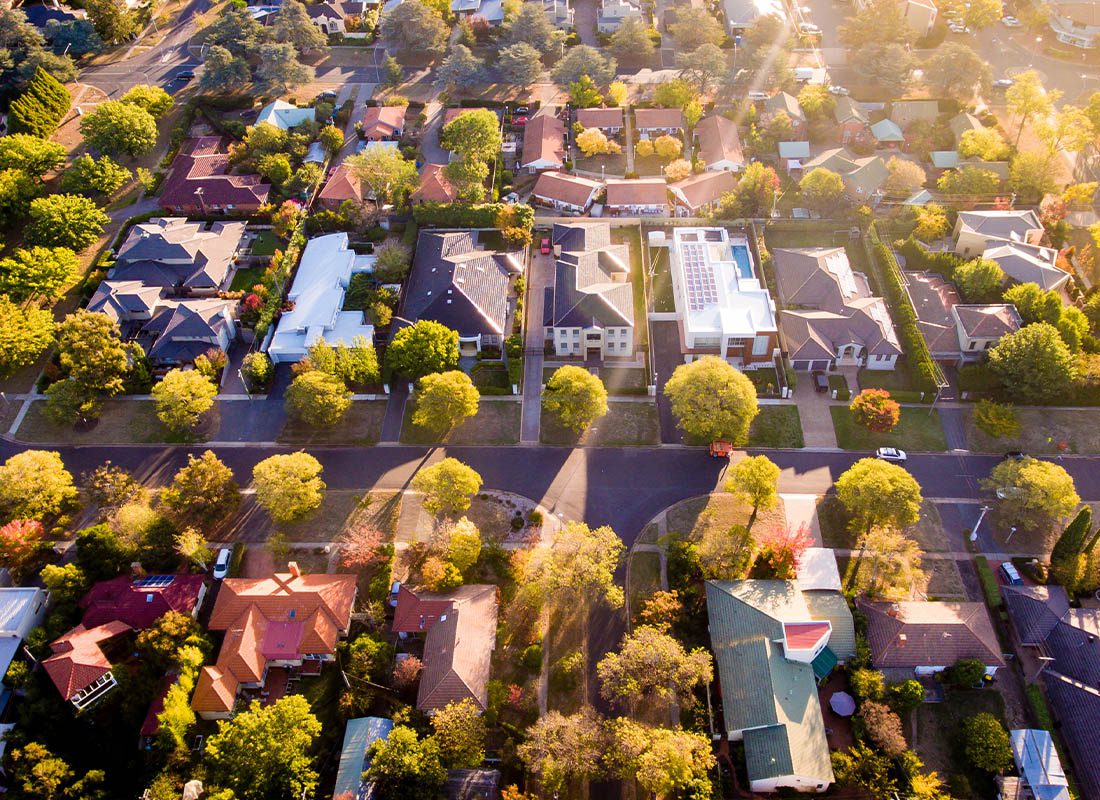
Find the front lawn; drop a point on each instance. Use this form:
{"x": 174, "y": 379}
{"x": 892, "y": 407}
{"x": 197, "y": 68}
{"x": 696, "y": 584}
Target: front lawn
{"x": 496, "y": 422}
{"x": 362, "y": 425}
{"x": 491, "y": 377}
{"x": 776, "y": 426}
{"x": 626, "y": 423}
{"x": 891, "y": 380}
{"x": 643, "y": 579}
{"x": 918, "y": 431}
{"x": 1043, "y": 430}
{"x": 694, "y": 518}
{"x": 623, "y": 380}
{"x": 122, "y": 421}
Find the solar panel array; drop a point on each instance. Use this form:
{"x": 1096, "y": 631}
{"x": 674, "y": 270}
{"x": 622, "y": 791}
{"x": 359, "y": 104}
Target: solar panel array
{"x": 154, "y": 581}
{"x": 702, "y": 290}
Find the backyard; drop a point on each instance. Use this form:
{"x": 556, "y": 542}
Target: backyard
{"x": 939, "y": 744}
{"x": 632, "y": 237}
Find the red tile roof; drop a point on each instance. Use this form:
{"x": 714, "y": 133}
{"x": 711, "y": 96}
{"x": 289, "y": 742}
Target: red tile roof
{"x": 647, "y": 118}
{"x": 77, "y": 661}
{"x": 434, "y": 187}
{"x": 151, "y": 724}
{"x": 565, "y": 188}
{"x": 416, "y": 613}
{"x": 718, "y": 140}
{"x": 203, "y": 163}
{"x": 639, "y": 192}
{"x": 930, "y": 634}
{"x": 600, "y": 117}
{"x": 340, "y": 186}
{"x": 381, "y": 122}
{"x": 124, "y": 599}
{"x": 544, "y": 140}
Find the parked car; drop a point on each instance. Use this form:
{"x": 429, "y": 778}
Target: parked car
{"x": 544, "y": 246}
{"x": 1011, "y": 22}
{"x": 519, "y": 120}
{"x": 891, "y": 454}
{"x": 185, "y": 76}
{"x": 956, "y": 27}
{"x": 1003, "y": 83}
{"x": 1015, "y": 455}
{"x": 521, "y": 111}
{"x": 758, "y": 96}
{"x": 721, "y": 449}
{"x": 839, "y": 91}
{"x": 808, "y": 29}
{"x": 821, "y": 381}
{"x": 1011, "y": 575}
{"x": 221, "y": 564}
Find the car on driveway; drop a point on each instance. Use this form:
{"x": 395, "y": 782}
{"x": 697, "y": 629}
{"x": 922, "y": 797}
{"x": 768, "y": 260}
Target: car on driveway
{"x": 839, "y": 91}
{"x": 956, "y": 27}
{"x": 1011, "y": 22}
{"x": 891, "y": 454}
{"x": 544, "y": 246}
{"x": 1015, "y": 455}
{"x": 519, "y": 120}
{"x": 1010, "y": 575}
{"x": 808, "y": 29}
{"x": 821, "y": 381}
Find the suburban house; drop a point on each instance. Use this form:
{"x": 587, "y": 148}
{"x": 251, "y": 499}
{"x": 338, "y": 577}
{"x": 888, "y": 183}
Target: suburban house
{"x": 139, "y": 602}
{"x": 543, "y": 143}
{"x": 559, "y": 12}
{"x": 1076, "y": 23}
{"x": 565, "y": 192}
{"x": 653, "y": 122}
{"x": 887, "y": 134}
{"x": 275, "y": 629}
{"x": 455, "y": 282}
{"x": 1063, "y": 645}
{"x": 340, "y": 187}
{"x": 359, "y": 734}
{"x": 740, "y": 14}
{"x": 944, "y": 159}
{"x": 492, "y": 11}
{"x": 192, "y": 258}
{"x": 722, "y": 309}
{"x": 921, "y": 14}
{"x": 956, "y": 332}
{"x": 317, "y": 293}
{"x": 719, "y": 144}
{"x": 78, "y": 667}
{"x": 589, "y": 312}
{"x": 863, "y": 176}
{"x": 434, "y": 186}
{"x": 452, "y": 673}
{"x": 1028, "y": 263}
{"x": 383, "y": 123}
{"x": 793, "y": 154}
{"x": 961, "y": 123}
{"x": 22, "y": 609}
{"x": 787, "y": 105}
{"x": 906, "y": 112}
{"x": 770, "y": 649}
{"x": 923, "y": 638}
{"x": 818, "y": 580}
{"x": 977, "y": 230}
{"x": 332, "y": 17}
{"x": 608, "y": 120}
{"x": 1038, "y": 765}
{"x": 284, "y": 115}
{"x": 829, "y": 317}
{"x": 198, "y": 182}
{"x": 851, "y": 120}
{"x": 699, "y": 193}
{"x": 611, "y": 13}
{"x": 644, "y": 197}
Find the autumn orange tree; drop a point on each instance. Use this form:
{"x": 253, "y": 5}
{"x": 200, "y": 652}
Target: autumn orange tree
{"x": 20, "y": 543}
{"x": 876, "y": 410}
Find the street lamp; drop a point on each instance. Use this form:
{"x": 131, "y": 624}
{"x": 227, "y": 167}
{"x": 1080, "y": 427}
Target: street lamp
{"x": 974, "y": 533}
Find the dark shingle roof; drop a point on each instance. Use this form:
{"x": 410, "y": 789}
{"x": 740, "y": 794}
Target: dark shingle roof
{"x": 591, "y": 285}
{"x": 1035, "y": 610}
{"x": 1077, "y": 709}
{"x": 1076, "y": 654}
{"x": 936, "y": 634}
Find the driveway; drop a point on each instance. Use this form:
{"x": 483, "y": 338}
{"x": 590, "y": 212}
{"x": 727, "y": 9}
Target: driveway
{"x": 540, "y": 286}
{"x": 429, "y": 139}
{"x": 664, "y": 349}
{"x": 584, "y": 19}
{"x": 813, "y": 409}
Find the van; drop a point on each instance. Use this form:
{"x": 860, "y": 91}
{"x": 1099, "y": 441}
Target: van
{"x": 1011, "y": 575}
{"x": 221, "y": 564}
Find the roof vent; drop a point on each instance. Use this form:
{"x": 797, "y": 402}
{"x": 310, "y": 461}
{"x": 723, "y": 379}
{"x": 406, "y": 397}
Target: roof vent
{"x": 442, "y": 617}
{"x": 149, "y": 597}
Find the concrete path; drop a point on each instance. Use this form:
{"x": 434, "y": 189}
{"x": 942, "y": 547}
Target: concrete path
{"x": 429, "y": 139}
{"x": 801, "y": 509}
{"x": 540, "y": 281}
{"x": 954, "y": 428}
{"x": 628, "y": 133}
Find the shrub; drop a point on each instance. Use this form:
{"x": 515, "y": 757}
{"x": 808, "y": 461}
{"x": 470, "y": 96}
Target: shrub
{"x": 459, "y": 215}
{"x": 907, "y": 695}
{"x": 884, "y": 728}
{"x": 531, "y": 658}
{"x": 565, "y": 673}
{"x": 989, "y": 583}
{"x": 867, "y": 684}
{"x": 986, "y": 743}
{"x": 965, "y": 672}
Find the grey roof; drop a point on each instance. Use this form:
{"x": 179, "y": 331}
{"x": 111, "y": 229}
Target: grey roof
{"x": 760, "y": 687}
{"x": 120, "y": 300}
{"x": 1038, "y": 763}
{"x": 591, "y": 286}
{"x": 183, "y": 331}
{"x": 847, "y": 109}
{"x": 16, "y": 602}
{"x": 473, "y": 784}
{"x": 175, "y": 253}
{"x": 1076, "y": 654}
{"x": 785, "y": 103}
{"x": 1027, "y": 263}
{"x": 1001, "y": 224}
{"x": 359, "y": 735}
{"x": 988, "y": 321}
{"x": 456, "y": 283}
{"x": 1077, "y": 708}
{"x": 794, "y": 149}
{"x": 933, "y": 298}
{"x": 961, "y": 123}
{"x": 886, "y": 130}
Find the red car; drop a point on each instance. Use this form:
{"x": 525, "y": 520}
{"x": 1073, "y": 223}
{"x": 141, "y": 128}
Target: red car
{"x": 544, "y": 247}
{"x": 519, "y": 120}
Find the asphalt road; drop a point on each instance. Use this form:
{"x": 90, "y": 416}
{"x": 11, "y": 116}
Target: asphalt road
{"x": 620, "y": 487}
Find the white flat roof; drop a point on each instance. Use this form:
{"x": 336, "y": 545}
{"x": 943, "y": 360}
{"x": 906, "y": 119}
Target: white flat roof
{"x": 720, "y": 299}
{"x": 15, "y": 604}
{"x": 817, "y": 569}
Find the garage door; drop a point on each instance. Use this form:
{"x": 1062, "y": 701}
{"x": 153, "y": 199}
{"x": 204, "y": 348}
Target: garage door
{"x": 802, "y": 366}
{"x": 808, "y": 365}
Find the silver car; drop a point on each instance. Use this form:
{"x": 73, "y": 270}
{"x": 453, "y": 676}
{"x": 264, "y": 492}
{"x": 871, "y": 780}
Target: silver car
{"x": 891, "y": 454}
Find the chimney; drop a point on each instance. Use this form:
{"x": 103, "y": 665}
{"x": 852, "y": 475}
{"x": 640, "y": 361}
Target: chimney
{"x": 894, "y": 610}
{"x": 136, "y": 570}
{"x": 902, "y": 639}
{"x": 292, "y": 568}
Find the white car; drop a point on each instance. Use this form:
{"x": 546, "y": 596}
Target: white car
{"x": 221, "y": 565}
{"x": 808, "y": 28}
{"x": 891, "y": 454}
{"x": 758, "y": 96}
{"x": 957, "y": 27}
{"x": 1003, "y": 83}
{"x": 1011, "y": 22}
{"x": 839, "y": 91}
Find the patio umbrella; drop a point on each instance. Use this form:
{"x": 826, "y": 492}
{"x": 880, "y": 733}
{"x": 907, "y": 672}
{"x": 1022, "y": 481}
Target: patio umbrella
{"x": 843, "y": 704}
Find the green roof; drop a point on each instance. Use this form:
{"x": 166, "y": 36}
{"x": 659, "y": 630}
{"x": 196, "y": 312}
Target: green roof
{"x": 824, "y": 663}
{"x": 768, "y": 753}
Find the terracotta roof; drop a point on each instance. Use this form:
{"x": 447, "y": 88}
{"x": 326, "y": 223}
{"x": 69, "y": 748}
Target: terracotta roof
{"x": 418, "y": 612}
{"x": 804, "y": 635}
{"x": 565, "y": 188}
{"x": 600, "y": 117}
{"x": 718, "y": 140}
{"x": 203, "y": 163}
{"x": 641, "y": 192}
{"x": 77, "y": 661}
{"x": 704, "y": 188}
{"x": 215, "y": 691}
{"x": 434, "y": 187}
{"x": 151, "y": 724}
{"x": 930, "y": 634}
{"x": 383, "y": 121}
{"x": 139, "y": 603}
{"x": 282, "y": 594}
{"x": 341, "y": 186}
{"x": 543, "y": 140}
{"x": 645, "y": 118}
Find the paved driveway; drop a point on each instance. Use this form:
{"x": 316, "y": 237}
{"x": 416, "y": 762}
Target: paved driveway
{"x": 813, "y": 409}
{"x": 540, "y": 285}
{"x": 664, "y": 349}
{"x": 584, "y": 19}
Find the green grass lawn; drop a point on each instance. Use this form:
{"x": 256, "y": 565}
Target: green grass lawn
{"x": 623, "y": 380}
{"x": 125, "y": 421}
{"x": 624, "y": 424}
{"x": 496, "y": 422}
{"x": 632, "y": 236}
{"x": 245, "y": 278}
{"x": 890, "y": 380}
{"x": 918, "y": 431}
{"x": 362, "y": 425}
{"x": 490, "y": 375}
{"x": 938, "y": 741}
{"x": 265, "y": 244}
{"x": 776, "y": 426}
{"x": 661, "y": 283}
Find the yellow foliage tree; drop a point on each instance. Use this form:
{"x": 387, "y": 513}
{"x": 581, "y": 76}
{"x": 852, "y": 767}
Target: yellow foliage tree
{"x": 593, "y": 142}
{"x": 678, "y": 170}
{"x": 668, "y": 147}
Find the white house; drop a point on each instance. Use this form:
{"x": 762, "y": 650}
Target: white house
{"x": 1038, "y": 763}
{"x": 284, "y": 115}
{"x": 22, "y": 609}
{"x": 977, "y": 230}
{"x": 318, "y": 297}
{"x": 1076, "y": 23}
{"x": 612, "y": 13}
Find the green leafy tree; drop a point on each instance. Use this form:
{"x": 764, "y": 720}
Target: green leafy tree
{"x": 969, "y": 182}
{"x": 388, "y": 175}
{"x": 1027, "y": 99}
{"x": 238, "y": 31}
{"x": 1033, "y": 175}
{"x": 593, "y": 141}
{"x": 66, "y": 583}
{"x": 581, "y": 564}
{"x": 875, "y": 410}
{"x": 264, "y": 752}
{"x": 475, "y": 135}
{"x": 703, "y": 66}
{"x": 292, "y": 23}
{"x": 519, "y": 64}
{"x": 65, "y": 220}
{"x": 866, "y": 770}
{"x": 867, "y": 684}
{"x": 888, "y": 564}
{"x": 182, "y": 397}
{"x": 90, "y": 176}
{"x": 1034, "y": 364}
{"x": 459, "y": 730}
{"x": 631, "y": 41}
{"x": 223, "y": 72}
{"x": 152, "y": 98}
{"x": 931, "y": 222}
{"x": 17, "y": 189}
{"x": 676, "y": 93}
{"x": 30, "y": 154}
{"x": 754, "y": 480}
{"x": 202, "y": 492}
{"x": 280, "y": 70}
{"x": 38, "y": 272}
{"x": 695, "y": 27}
{"x": 667, "y": 762}
{"x": 447, "y": 485}
{"x": 888, "y": 64}
{"x": 877, "y": 493}
{"x": 392, "y": 73}
{"x": 1032, "y": 494}
{"x": 563, "y": 751}
{"x": 357, "y": 365}
{"x": 414, "y": 27}
{"x": 274, "y": 168}
{"x": 755, "y": 194}
{"x": 161, "y": 642}
{"x": 651, "y": 664}
{"x": 986, "y": 743}
{"x": 1034, "y": 303}
{"x": 1069, "y": 129}
{"x": 289, "y": 486}
{"x": 101, "y": 553}
{"x": 532, "y": 26}
{"x": 998, "y": 420}
{"x": 463, "y": 545}
{"x": 584, "y": 60}
{"x": 444, "y": 400}
{"x": 92, "y": 353}
{"x": 954, "y": 70}
{"x": 41, "y": 774}
{"x": 404, "y": 767}
{"x": 422, "y": 349}
{"x": 583, "y": 93}
{"x": 821, "y": 189}
{"x": 906, "y": 696}
{"x": 984, "y": 143}
{"x": 712, "y": 400}
{"x": 979, "y": 280}
{"x": 461, "y": 68}
{"x": 576, "y": 397}
{"x": 668, "y": 147}
{"x": 816, "y": 102}
{"x": 44, "y": 101}
{"x": 331, "y": 138}
{"x": 905, "y": 177}
{"x": 191, "y": 545}
{"x": 112, "y": 20}
{"x": 877, "y": 22}
{"x": 117, "y": 127}
{"x": 318, "y": 399}
{"x": 35, "y": 485}
{"x": 392, "y": 261}
{"x": 468, "y": 179}
{"x": 1066, "y": 560}
{"x": 25, "y": 333}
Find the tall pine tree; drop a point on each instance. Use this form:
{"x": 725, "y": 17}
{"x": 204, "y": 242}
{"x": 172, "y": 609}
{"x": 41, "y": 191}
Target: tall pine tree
{"x": 1066, "y": 558}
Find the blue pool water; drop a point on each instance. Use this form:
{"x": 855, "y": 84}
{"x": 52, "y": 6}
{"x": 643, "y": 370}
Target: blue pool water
{"x": 743, "y": 258}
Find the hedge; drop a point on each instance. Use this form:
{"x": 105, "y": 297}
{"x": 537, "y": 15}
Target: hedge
{"x": 460, "y": 215}
{"x": 989, "y": 583}
{"x": 41, "y": 107}
{"x": 917, "y": 258}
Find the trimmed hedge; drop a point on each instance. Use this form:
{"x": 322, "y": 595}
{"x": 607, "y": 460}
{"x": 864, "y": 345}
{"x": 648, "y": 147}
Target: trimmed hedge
{"x": 41, "y": 107}
{"x": 989, "y": 583}
{"x": 460, "y": 215}
{"x": 919, "y": 259}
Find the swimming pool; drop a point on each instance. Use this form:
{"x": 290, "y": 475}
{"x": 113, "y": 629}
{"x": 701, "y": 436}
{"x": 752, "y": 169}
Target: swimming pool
{"x": 743, "y": 258}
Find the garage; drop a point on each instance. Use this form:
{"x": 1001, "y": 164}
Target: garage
{"x": 809, "y": 365}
